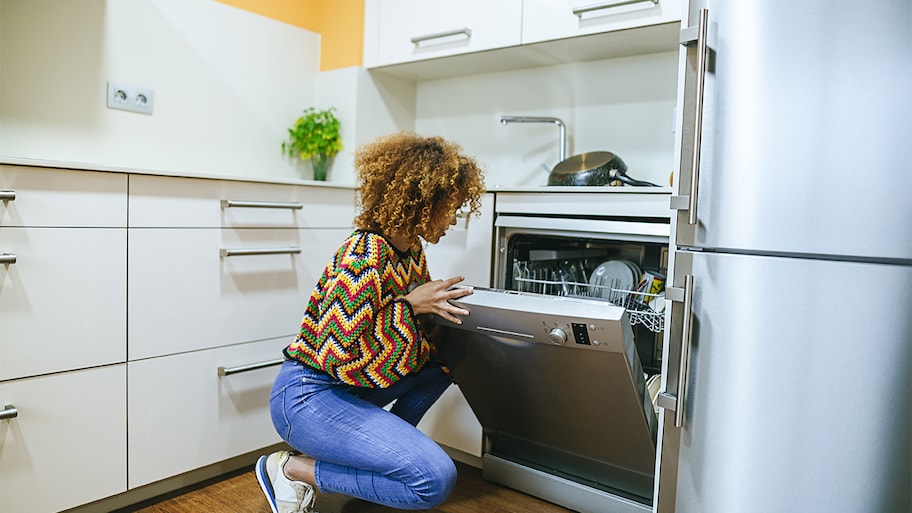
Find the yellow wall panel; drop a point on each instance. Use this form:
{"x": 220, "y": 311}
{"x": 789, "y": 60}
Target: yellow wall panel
{"x": 340, "y": 24}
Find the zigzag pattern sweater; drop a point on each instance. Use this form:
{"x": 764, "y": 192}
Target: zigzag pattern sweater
{"x": 354, "y": 328}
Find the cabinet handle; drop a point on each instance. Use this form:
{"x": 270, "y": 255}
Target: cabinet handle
{"x": 688, "y": 36}
{"x": 261, "y": 204}
{"x": 227, "y": 371}
{"x": 227, "y": 252}
{"x": 665, "y": 400}
{"x": 7, "y": 195}
{"x": 7, "y": 258}
{"x": 467, "y": 32}
{"x": 580, "y": 11}
{"x": 9, "y": 412}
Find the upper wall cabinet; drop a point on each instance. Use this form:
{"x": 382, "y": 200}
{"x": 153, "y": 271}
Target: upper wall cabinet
{"x": 400, "y": 31}
{"x": 433, "y": 39}
{"x": 545, "y": 20}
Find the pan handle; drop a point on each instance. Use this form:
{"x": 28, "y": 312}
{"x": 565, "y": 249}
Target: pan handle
{"x": 617, "y": 174}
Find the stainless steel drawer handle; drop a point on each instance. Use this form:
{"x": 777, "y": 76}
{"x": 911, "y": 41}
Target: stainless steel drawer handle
{"x": 227, "y": 252}
{"x": 580, "y": 11}
{"x": 467, "y": 32}
{"x": 261, "y": 204}
{"x": 227, "y": 371}
{"x": 676, "y": 402}
{"x": 9, "y": 412}
{"x": 7, "y": 195}
{"x": 7, "y": 258}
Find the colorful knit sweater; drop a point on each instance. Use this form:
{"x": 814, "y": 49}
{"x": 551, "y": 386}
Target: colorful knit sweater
{"x": 354, "y": 327}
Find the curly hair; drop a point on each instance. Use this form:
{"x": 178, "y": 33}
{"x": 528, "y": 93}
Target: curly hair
{"x": 408, "y": 183}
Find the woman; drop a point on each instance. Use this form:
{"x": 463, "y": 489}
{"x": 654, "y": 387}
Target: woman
{"x": 362, "y": 344}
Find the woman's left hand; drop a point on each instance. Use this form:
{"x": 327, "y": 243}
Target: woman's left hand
{"x": 434, "y": 297}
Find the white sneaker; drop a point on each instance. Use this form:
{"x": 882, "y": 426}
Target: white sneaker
{"x": 283, "y": 494}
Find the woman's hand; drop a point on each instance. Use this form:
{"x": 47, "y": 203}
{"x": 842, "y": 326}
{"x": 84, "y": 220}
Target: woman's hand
{"x": 433, "y": 298}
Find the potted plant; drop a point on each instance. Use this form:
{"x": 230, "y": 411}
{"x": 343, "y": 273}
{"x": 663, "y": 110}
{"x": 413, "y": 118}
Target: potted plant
{"x": 314, "y": 136}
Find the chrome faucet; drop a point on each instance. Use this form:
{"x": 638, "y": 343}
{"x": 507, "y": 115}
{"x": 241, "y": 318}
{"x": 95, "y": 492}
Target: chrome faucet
{"x": 537, "y": 119}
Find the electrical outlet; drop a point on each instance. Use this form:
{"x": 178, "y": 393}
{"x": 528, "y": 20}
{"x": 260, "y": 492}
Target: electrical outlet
{"x": 132, "y": 98}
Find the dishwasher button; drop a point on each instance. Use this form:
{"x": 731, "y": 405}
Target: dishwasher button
{"x": 580, "y": 333}
{"x": 557, "y": 336}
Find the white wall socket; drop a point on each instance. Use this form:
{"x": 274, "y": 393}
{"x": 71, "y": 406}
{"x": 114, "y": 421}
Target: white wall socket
{"x": 132, "y": 98}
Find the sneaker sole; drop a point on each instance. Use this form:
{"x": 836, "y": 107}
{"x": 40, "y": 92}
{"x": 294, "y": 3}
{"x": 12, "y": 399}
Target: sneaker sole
{"x": 265, "y": 483}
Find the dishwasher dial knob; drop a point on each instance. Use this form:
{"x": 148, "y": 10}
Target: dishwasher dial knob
{"x": 557, "y": 336}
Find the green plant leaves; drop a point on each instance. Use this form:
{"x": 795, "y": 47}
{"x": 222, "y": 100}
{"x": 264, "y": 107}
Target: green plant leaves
{"x": 315, "y": 133}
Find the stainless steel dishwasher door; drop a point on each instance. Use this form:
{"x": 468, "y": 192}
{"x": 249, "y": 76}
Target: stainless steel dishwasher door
{"x": 557, "y": 385}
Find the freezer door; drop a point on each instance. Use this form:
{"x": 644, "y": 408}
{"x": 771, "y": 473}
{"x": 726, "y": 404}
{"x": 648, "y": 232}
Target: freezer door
{"x": 803, "y": 132}
{"x": 797, "y": 390}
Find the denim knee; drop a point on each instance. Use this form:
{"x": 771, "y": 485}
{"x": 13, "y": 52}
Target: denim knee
{"x": 444, "y": 480}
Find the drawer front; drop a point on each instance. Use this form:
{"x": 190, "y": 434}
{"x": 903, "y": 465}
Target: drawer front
{"x": 544, "y": 20}
{"x": 183, "y": 415}
{"x": 412, "y": 30}
{"x": 157, "y": 202}
{"x": 67, "y": 444}
{"x": 52, "y": 197}
{"x": 183, "y": 295}
{"x": 63, "y": 301}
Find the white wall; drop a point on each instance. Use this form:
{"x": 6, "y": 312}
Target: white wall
{"x": 623, "y": 105}
{"x": 227, "y": 85}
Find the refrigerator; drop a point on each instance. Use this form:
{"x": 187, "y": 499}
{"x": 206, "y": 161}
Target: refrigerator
{"x": 788, "y": 342}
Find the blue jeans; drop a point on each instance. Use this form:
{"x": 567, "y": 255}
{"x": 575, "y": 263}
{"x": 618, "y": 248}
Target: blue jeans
{"x": 363, "y": 450}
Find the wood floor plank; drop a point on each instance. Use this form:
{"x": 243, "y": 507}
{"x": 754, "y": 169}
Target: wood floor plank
{"x": 240, "y": 493}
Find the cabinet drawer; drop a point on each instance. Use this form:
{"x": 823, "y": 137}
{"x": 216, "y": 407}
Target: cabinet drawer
{"x": 53, "y": 197}
{"x": 545, "y": 20}
{"x": 67, "y": 445}
{"x": 63, "y": 301}
{"x": 183, "y": 295}
{"x": 411, "y": 30}
{"x": 184, "y": 202}
{"x": 183, "y": 415}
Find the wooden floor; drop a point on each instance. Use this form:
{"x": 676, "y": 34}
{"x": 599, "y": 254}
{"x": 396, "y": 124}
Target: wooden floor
{"x": 240, "y": 493}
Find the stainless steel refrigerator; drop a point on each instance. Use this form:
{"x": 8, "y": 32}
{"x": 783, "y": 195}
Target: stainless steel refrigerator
{"x": 789, "y": 337}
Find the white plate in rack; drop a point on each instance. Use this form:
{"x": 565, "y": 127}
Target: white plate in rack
{"x": 612, "y": 274}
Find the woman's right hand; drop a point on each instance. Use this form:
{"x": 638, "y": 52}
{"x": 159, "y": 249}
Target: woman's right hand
{"x": 434, "y": 297}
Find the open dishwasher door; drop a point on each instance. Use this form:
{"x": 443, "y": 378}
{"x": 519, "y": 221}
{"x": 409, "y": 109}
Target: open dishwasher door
{"x": 558, "y": 388}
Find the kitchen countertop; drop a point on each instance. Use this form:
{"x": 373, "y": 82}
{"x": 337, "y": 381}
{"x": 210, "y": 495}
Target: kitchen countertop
{"x": 538, "y": 189}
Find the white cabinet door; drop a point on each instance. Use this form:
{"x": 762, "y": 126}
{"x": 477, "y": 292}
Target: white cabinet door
{"x": 63, "y": 302}
{"x": 184, "y": 294}
{"x": 466, "y": 248}
{"x": 54, "y": 197}
{"x": 183, "y": 415}
{"x": 157, "y": 202}
{"x": 544, "y": 20}
{"x": 411, "y": 30}
{"x": 466, "y": 251}
{"x": 67, "y": 444}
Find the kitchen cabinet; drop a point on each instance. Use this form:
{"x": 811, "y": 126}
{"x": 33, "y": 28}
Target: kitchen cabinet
{"x": 220, "y": 273}
{"x": 465, "y": 251}
{"x": 62, "y": 351}
{"x": 197, "y": 408}
{"x": 214, "y": 263}
{"x": 63, "y": 280}
{"x": 411, "y": 30}
{"x": 545, "y": 20}
{"x": 66, "y": 443}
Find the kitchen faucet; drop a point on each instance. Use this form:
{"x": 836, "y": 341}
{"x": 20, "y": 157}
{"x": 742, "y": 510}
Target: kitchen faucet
{"x": 504, "y": 120}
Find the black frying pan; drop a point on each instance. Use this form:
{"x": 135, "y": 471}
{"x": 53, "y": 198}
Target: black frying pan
{"x": 593, "y": 168}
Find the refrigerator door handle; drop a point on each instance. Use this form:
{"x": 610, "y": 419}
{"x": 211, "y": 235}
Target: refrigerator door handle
{"x": 688, "y": 35}
{"x": 675, "y": 402}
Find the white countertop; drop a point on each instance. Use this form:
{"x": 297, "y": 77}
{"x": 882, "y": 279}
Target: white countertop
{"x": 537, "y": 189}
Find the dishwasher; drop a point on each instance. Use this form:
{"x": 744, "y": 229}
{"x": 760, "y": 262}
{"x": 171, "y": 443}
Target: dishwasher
{"x": 560, "y": 359}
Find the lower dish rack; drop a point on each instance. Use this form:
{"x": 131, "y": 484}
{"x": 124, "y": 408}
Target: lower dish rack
{"x": 643, "y": 308}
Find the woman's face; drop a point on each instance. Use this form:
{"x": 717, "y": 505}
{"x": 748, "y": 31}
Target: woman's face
{"x": 441, "y": 224}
